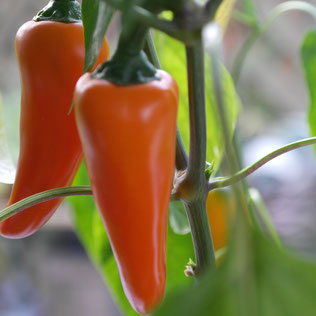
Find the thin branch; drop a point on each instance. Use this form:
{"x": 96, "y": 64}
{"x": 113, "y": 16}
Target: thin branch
{"x": 43, "y": 197}
{"x": 187, "y": 35}
{"x": 226, "y": 181}
{"x": 146, "y": 17}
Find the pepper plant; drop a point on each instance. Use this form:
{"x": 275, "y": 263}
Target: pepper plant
{"x": 134, "y": 146}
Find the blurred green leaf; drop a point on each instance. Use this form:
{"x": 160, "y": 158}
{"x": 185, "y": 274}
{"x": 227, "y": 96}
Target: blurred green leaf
{"x": 172, "y": 57}
{"x": 264, "y": 214}
{"x": 178, "y": 218}
{"x": 96, "y": 17}
{"x": 7, "y": 168}
{"x": 93, "y": 237}
{"x": 308, "y": 55}
{"x": 269, "y": 282}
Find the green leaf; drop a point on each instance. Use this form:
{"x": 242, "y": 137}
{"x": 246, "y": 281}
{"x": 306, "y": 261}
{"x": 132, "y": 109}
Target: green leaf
{"x": 308, "y": 55}
{"x": 96, "y": 17}
{"x": 172, "y": 57}
{"x": 7, "y": 168}
{"x": 178, "y": 219}
{"x": 93, "y": 237}
{"x": 267, "y": 282}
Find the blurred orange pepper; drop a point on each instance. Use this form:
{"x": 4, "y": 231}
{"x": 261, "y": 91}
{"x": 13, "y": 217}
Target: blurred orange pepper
{"x": 220, "y": 209}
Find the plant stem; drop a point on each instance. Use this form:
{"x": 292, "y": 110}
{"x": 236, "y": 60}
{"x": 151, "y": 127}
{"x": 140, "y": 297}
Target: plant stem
{"x": 196, "y": 87}
{"x": 187, "y": 35}
{"x": 43, "y": 197}
{"x": 181, "y": 154}
{"x": 201, "y": 236}
{"x": 195, "y": 175}
{"x": 196, "y": 210}
{"x": 196, "y": 218}
{"x": 226, "y": 181}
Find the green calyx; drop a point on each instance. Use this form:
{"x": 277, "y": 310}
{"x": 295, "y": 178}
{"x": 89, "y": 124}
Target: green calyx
{"x": 67, "y": 11}
{"x": 129, "y": 65}
{"x": 127, "y": 70}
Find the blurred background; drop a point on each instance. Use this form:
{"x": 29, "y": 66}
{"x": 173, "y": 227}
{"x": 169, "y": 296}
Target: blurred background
{"x": 49, "y": 274}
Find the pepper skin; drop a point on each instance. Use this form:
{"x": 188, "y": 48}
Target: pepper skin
{"x": 51, "y": 57}
{"x": 128, "y": 136}
{"x": 220, "y": 209}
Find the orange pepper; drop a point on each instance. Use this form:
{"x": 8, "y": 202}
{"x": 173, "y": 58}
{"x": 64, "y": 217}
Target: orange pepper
{"x": 51, "y": 57}
{"x": 220, "y": 209}
{"x": 128, "y": 136}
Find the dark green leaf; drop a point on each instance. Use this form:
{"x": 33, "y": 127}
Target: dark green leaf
{"x": 96, "y": 17}
{"x": 92, "y": 234}
{"x": 267, "y": 282}
{"x": 308, "y": 55}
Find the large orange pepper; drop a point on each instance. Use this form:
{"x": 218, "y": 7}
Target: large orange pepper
{"x": 128, "y": 136}
{"x": 51, "y": 57}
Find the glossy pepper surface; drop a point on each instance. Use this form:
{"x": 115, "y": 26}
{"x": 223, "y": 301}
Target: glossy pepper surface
{"x": 51, "y": 58}
{"x": 128, "y": 136}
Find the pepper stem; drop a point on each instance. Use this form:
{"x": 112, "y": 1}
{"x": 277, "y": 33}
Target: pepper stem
{"x": 129, "y": 65}
{"x": 67, "y": 11}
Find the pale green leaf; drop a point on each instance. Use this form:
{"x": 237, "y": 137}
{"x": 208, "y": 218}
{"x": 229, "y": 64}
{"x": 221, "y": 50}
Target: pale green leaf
{"x": 178, "y": 219}
{"x": 172, "y": 57}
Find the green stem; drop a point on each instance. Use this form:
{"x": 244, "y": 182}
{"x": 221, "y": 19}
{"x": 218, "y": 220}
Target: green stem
{"x": 129, "y": 65}
{"x": 259, "y": 30}
{"x": 43, "y": 197}
{"x": 196, "y": 87}
{"x": 195, "y": 203}
{"x": 201, "y": 236}
{"x": 226, "y": 181}
{"x": 181, "y": 154}
{"x": 144, "y": 16}
{"x": 195, "y": 20}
